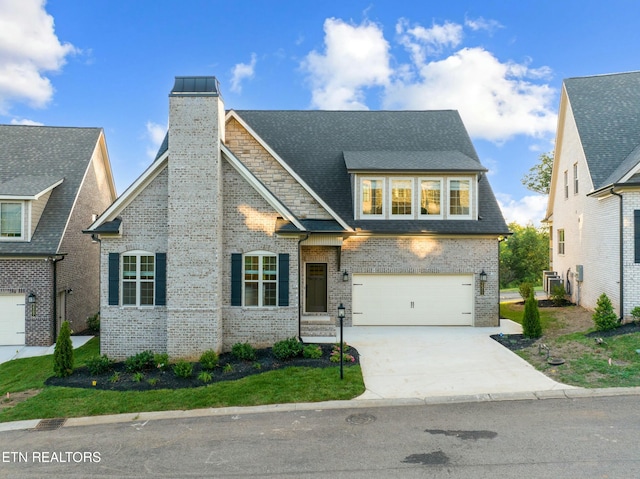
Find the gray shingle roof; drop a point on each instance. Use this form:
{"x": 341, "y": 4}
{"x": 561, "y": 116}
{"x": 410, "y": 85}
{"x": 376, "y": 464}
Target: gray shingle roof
{"x": 313, "y": 144}
{"x": 410, "y": 161}
{"x": 28, "y": 185}
{"x": 606, "y": 109}
{"x": 53, "y": 152}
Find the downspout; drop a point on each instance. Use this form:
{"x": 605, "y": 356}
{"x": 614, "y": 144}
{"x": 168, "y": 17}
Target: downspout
{"x": 55, "y": 260}
{"x": 300, "y": 286}
{"x": 500, "y": 240}
{"x": 621, "y": 256}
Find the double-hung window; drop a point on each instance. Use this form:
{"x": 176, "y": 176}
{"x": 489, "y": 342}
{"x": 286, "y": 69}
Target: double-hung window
{"x": 560, "y": 241}
{"x": 566, "y": 184}
{"x": 575, "y": 178}
{"x": 401, "y": 197}
{"x": 138, "y": 278}
{"x": 431, "y": 198}
{"x": 372, "y": 196}
{"x": 260, "y": 279}
{"x": 11, "y": 220}
{"x": 460, "y": 198}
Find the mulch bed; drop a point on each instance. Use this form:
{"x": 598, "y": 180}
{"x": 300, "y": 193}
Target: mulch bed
{"x": 159, "y": 379}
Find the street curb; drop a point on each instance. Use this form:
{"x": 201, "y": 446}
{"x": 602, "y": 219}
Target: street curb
{"x": 143, "y": 417}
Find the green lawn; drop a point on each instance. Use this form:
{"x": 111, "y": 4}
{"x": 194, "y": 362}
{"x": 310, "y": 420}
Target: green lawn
{"x": 295, "y": 384}
{"x": 515, "y": 312}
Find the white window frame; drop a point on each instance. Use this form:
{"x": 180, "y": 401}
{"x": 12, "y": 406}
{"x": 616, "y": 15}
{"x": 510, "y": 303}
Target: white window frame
{"x": 471, "y": 196}
{"x": 260, "y": 281}
{"x": 364, "y": 215}
{"x": 23, "y": 222}
{"x": 575, "y": 179}
{"x": 566, "y": 184}
{"x": 411, "y": 181}
{"x": 561, "y": 242}
{"x": 137, "y": 280}
{"x": 424, "y": 216}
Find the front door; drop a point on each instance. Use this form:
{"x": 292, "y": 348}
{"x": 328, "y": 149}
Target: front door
{"x": 316, "y": 290}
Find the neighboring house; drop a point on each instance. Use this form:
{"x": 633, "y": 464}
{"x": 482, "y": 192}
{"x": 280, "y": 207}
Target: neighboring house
{"x": 594, "y": 202}
{"x": 255, "y": 225}
{"x": 52, "y": 182}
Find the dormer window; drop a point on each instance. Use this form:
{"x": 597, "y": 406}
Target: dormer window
{"x": 401, "y": 197}
{"x": 11, "y": 220}
{"x": 460, "y": 198}
{"x": 431, "y": 198}
{"x": 372, "y": 192}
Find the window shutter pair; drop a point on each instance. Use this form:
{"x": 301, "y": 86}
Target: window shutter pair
{"x": 236, "y": 279}
{"x": 161, "y": 279}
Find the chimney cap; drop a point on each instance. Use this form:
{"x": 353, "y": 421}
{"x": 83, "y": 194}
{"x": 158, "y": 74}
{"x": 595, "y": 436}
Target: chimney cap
{"x": 198, "y": 85}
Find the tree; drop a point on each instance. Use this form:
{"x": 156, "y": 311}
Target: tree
{"x": 524, "y": 255}
{"x": 539, "y": 177}
{"x": 531, "y": 327}
{"x": 63, "y": 352}
{"x": 604, "y": 316}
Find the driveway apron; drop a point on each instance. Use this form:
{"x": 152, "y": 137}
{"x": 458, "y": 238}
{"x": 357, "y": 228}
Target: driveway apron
{"x": 421, "y": 362}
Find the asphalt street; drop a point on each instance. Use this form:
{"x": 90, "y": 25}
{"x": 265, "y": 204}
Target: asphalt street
{"x": 562, "y": 438}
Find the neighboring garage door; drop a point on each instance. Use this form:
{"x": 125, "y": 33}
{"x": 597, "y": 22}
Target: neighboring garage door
{"x": 412, "y": 300}
{"x": 11, "y": 319}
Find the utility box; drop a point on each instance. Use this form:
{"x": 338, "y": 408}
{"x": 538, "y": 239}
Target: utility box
{"x": 579, "y": 273}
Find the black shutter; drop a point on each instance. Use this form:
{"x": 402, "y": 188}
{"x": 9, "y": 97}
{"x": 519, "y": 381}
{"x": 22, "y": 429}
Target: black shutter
{"x": 283, "y": 279}
{"x": 161, "y": 279}
{"x": 636, "y": 234}
{"x": 114, "y": 279}
{"x": 236, "y": 279}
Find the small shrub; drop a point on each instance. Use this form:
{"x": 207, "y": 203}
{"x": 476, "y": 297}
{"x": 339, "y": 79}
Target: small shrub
{"x": 152, "y": 381}
{"x": 205, "y": 377}
{"x": 526, "y": 290}
{"x": 63, "y": 352}
{"x": 557, "y": 294}
{"x": 635, "y": 312}
{"x": 137, "y": 377}
{"x": 227, "y": 368}
{"x": 335, "y": 354}
{"x": 93, "y": 322}
{"x": 161, "y": 360}
{"x": 243, "y": 351}
{"x": 209, "y": 360}
{"x": 312, "y": 351}
{"x": 287, "y": 348}
{"x": 531, "y": 327}
{"x": 183, "y": 369}
{"x": 99, "y": 364}
{"x": 140, "y": 362}
{"x": 257, "y": 366}
{"x": 604, "y": 316}
{"x": 115, "y": 377}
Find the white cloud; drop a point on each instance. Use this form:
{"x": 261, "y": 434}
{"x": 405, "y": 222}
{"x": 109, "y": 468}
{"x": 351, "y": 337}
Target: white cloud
{"x": 495, "y": 99}
{"x": 155, "y": 134}
{"x": 481, "y": 23}
{"x": 241, "y": 72}
{"x": 25, "y": 121}
{"x": 29, "y": 48}
{"x": 529, "y": 209}
{"x": 355, "y": 57}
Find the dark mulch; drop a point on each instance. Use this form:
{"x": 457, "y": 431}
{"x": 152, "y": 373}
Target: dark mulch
{"x": 547, "y": 303}
{"x": 624, "y": 329}
{"x": 81, "y": 378}
{"x": 513, "y": 341}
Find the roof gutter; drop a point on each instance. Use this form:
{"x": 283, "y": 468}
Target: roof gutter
{"x": 612, "y": 191}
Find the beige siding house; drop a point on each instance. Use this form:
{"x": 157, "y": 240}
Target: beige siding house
{"x": 594, "y": 202}
{"x": 256, "y": 225}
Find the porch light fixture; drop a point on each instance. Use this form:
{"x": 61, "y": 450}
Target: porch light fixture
{"x": 483, "y": 281}
{"x": 341, "y": 310}
{"x": 345, "y": 276}
{"x": 32, "y": 301}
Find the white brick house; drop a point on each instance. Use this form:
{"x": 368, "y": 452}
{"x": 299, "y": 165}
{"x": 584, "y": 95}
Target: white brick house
{"x": 255, "y": 225}
{"x": 594, "y": 202}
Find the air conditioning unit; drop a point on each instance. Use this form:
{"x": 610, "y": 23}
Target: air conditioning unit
{"x": 545, "y": 276}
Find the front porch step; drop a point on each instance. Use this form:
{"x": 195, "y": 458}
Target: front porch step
{"x": 321, "y": 329}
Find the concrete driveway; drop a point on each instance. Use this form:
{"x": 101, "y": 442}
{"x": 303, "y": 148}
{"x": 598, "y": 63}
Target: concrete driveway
{"x": 422, "y": 362}
{"x": 7, "y": 353}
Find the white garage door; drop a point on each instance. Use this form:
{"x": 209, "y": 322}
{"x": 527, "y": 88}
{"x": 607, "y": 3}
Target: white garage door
{"x": 412, "y": 300}
{"x": 11, "y": 319}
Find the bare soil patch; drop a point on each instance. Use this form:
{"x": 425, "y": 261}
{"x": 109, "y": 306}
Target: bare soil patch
{"x": 11, "y": 399}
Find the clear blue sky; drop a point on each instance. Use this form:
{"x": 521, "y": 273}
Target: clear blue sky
{"x": 111, "y": 63}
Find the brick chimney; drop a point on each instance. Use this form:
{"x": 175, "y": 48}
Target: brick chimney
{"x": 196, "y": 130}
